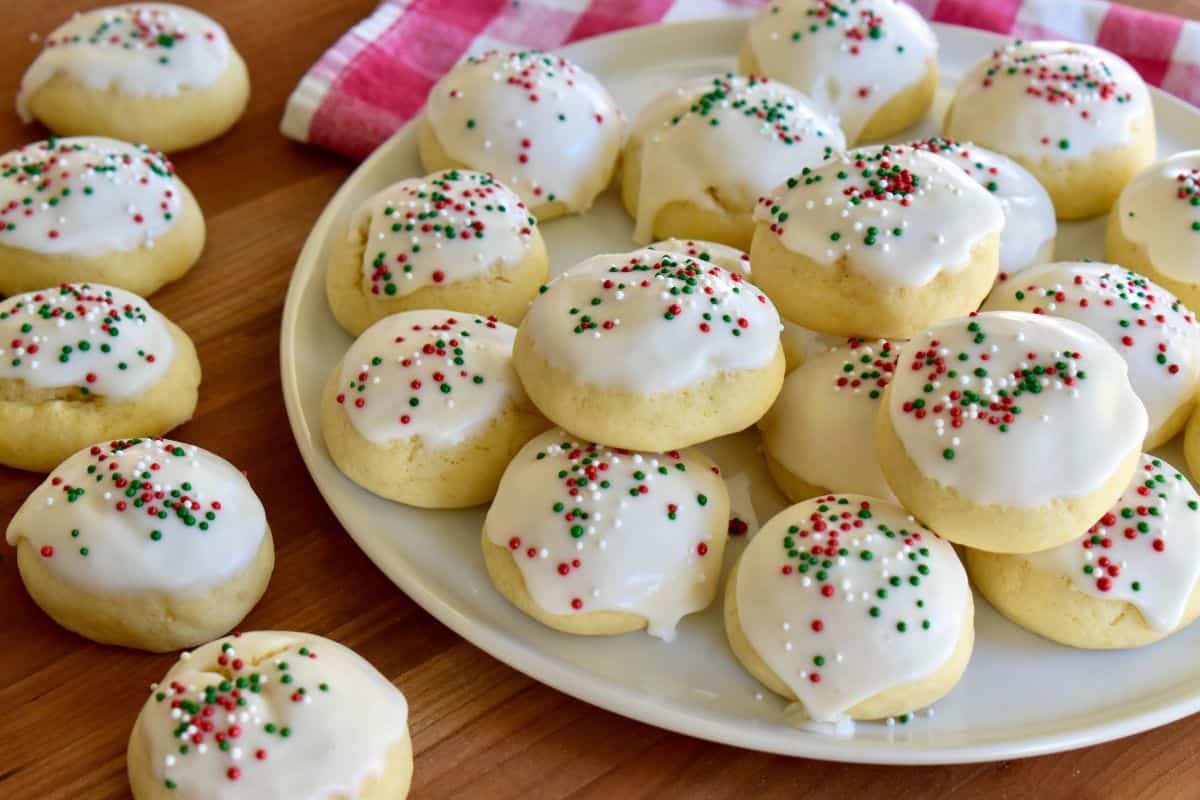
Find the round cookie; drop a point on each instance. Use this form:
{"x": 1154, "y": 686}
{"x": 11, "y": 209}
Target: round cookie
{"x": 1156, "y": 335}
{"x": 873, "y": 63}
{"x": 96, "y": 210}
{"x": 597, "y": 541}
{"x": 877, "y": 243}
{"x": 271, "y": 714}
{"x": 614, "y": 341}
{"x": 1078, "y": 117}
{"x": 146, "y": 543}
{"x": 545, "y": 127}
{"x": 1009, "y": 432}
{"x": 700, "y": 155}
{"x": 87, "y": 363}
{"x": 1154, "y": 226}
{"x": 457, "y": 239}
{"x": 156, "y": 73}
{"x": 1128, "y": 581}
{"x": 847, "y": 604}
{"x": 426, "y": 409}
{"x": 819, "y": 437}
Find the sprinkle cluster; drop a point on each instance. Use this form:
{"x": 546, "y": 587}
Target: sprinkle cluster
{"x": 1188, "y": 192}
{"x": 866, "y": 366}
{"x": 134, "y": 27}
{"x": 733, "y": 95}
{"x": 984, "y": 174}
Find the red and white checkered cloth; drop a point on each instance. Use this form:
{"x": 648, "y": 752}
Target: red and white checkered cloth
{"x": 377, "y": 76}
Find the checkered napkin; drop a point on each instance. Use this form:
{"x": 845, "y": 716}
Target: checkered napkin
{"x": 377, "y": 76}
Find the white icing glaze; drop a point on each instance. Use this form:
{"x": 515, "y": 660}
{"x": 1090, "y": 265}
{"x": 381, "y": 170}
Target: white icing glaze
{"x": 897, "y": 215}
{"x": 1060, "y": 101}
{"x": 152, "y": 49}
{"x": 840, "y": 627}
{"x": 1156, "y": 335}
{"x": 438, "y": 375}
{"x": 547, "y": 128}
{"x": 1145, "y": 550}
{"x": 1160, "y": 210}
{"x": 822, "y": 426}
{"x": 801, "y": 344}
{"x": 445, "y": 227}
{"x": 341, "y": 717}
{"x": 850, "y": 57}
{"x": 143, "y": 515}
{"x": 1074, "y": 426}
{"x": 86, "y": 195}
{"x": 619, "y": 531}
{"x": 727, "y": 137}
{"x": 104, "y": 340}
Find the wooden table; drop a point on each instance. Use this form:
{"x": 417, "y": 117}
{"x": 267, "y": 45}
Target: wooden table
{"x": 479, "y": 728}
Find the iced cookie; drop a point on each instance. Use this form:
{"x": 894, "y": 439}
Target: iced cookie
{"x": 87, "y": 363}
{"x": 877, "y": 243}
{"x": 619, "y": 338}
{"x": 700, "y": 156}
{"x": 873, "y": 63}
{"x": 596, "y": 541}
{"x": 426, "y": 409}
{"x": 1078, "y": 117}
{"x": 850, "y": 606}
{"x": 145, "y": 72}
{"x": 93, "y": 209}
{"x": 458, "y": 240}
{"x": 539, "y": 123}
{"x": 1156, "y": 335}
{"x": 1009, "y": 432}
{"x": 145, "y": 543}
{"x": 271, "y": 714}
{"x": 1128, "y": 581}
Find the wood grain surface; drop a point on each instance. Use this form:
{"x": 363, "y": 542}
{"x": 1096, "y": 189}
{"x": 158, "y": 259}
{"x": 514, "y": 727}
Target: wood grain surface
{"x": 479, "y": 728}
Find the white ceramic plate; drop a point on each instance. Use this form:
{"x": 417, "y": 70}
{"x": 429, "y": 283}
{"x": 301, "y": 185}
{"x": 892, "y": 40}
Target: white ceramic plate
{"x": 1021, "y": 695}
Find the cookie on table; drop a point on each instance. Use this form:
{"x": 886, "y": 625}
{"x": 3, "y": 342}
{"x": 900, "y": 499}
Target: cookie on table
{"x": 819, "y": 437}
{"x": 542, "y": 125}
{"x": 1078, "y": 117}
{"x": 426, "y": 409}
{"x": 1129, "y": 580}
{"x": 849, "y": 605}
{"x": 84, "y": 363}
{"x": 271, "y": 714}
{"x": 146, "y": 543}
{"x": 157, "y": 73}
{"x": 877, "y": 243}
{"x": 1156, "y": 334}
{"x": 1009, "y": 432}
{"x": 699, "y": 156}
{"x": 614, "y": 341}
{"x": 456, "y": 239}
{"x": 94, "y": 209}
{"x": 873, "y": 63}
{"x": 594, "y": 540}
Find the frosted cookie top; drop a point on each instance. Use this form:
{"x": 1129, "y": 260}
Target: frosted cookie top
{"x": 143, "y": 515}
{"x": 101, "y": 340}
{"x": 1144, "y": 551}
{"x": 270, "y": 714}
{"x": 1160, "y": 211}
{"x": 851, "y": 57}
{"x": 598, "y": 529}
{"x": 438, "y": 375}
{"x": 727, "y": 258}
{"x": 150, "y": 49}
{"x": 844, "y": 596}
{"x": 1015, "y": 409}
{"x": 542, "y": 125}
{"x": 897, "y": 215}
{"x": 728, "y": 135}
{"x": 651, "y": 322}
{"x": 86, "y": 195}
{"x": 445, "y": 227}
{"x": 1059, "y": 101}
{"x": 1156, "y": 335}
